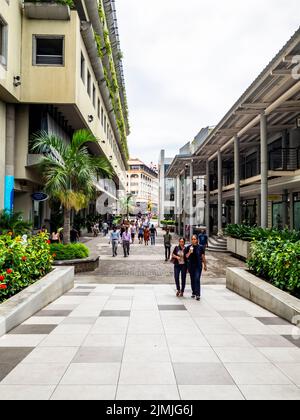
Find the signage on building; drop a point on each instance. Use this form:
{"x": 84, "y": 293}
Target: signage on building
{"x": 39, "y": 196}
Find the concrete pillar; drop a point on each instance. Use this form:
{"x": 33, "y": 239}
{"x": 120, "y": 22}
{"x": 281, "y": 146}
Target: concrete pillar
{"x": 292, "y": 222}
{"x": 237, "y": 190}
{"x": 220, "y": 191}
{"x": 264, "y": 166}
{"x": 9, "y": 158}
{"x": 191, "y": 199}
{"x": 207, "y": 209}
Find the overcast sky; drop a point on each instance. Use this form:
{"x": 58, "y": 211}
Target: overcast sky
{"x": 187, "y": 62}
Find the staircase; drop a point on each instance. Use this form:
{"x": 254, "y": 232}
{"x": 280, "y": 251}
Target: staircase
{"x": 217, "y": 244}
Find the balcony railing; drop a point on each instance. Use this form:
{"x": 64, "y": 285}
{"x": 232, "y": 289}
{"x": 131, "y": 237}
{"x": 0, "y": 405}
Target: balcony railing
{"x": 284, "y": 159}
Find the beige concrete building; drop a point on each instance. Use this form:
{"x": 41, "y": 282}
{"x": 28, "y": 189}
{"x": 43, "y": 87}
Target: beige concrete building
{"x": 60, "y": 70}
{"x": 142, "y": 184}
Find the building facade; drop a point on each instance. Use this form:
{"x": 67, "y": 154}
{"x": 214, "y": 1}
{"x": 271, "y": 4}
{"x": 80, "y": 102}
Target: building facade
{"x": 142, "y": 185}
{"x": 251, "y": 159}
{"x": 60, "y": 71}
{"x": 166, "y": 188}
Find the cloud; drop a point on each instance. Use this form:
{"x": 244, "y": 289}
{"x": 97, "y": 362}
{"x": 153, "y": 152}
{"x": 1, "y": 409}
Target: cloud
{"x": 187, "y": 63}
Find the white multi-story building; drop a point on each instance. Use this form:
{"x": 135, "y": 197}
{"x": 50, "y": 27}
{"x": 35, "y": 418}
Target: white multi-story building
{"x": 142, "y": 185}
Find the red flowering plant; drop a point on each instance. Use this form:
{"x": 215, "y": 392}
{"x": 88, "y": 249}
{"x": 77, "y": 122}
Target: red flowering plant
{"x": 22, "y": 262}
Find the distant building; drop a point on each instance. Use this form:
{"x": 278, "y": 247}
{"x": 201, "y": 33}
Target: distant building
{"x": 142, "y": 184}
{"x": 166, "y": 188}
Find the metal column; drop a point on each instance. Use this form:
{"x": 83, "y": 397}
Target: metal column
{"x": 220, "y": 191}
{"x": 264, "y": 164}
{"x": 9, "y": 158}
{"x": 207, "y": 210}
{"x": 237, "y": 188}
{"x": 191, "y": 196}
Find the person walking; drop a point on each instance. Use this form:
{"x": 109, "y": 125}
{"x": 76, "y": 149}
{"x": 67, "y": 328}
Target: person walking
{"x": 126, "y": 237}
{"x": 133, "y": 232}
{"x": 167, "y": 244}
{"x": 141, "y": 235}
{"x": 115, "y": 239}
{"x": 55, "y": 237}
{"x": 146, "y": 236}
{"x": 203, "y": 239}
{"x": 105, "y": 229}
{"x": 180, "y": 266}
{"x": 153, "y": 234}
{"x": 196, "y": 262}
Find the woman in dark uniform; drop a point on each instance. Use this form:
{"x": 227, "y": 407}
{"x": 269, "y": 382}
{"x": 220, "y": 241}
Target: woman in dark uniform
{"x": 196, "y": 262}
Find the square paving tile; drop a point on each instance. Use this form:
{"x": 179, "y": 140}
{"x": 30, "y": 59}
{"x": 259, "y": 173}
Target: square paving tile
{"x": 33, "y": 329}
{"x": 282, "y": 355}
{"x": 234, "y": 314}
{"x": 85, "y": 287}
{"x": 77, "y": 294}
{"x": 98, "y": 355}
{"x": 63, "y": 340}
{"x": 73, "y": 328}
{"x": 292, "y": 370}
{"x": 268, "y": 341}
{"x": 114, "y": 313}
{"x": 227, "y": 340}
{"x": 79, "y": 321}
{"x": 92, "y": 374}
{"x": 202, "y": 374}
{"x": 188, "y": 340}
{"x": 53, "y": 312}
{"x": 21, "y": 340}
{"x": 147, "y": 374}
{"x": 272, "y": 321}
{"x": 84, "y": 393}
{"x": 26, "y": 392}
{"x": 271, "y": 392}
{"x": 257, "y": 374}
{"x": 5, "y": 369}
{"x": 193, "y": 355}
{"x": 146, "y": 353}
{"x": 124, "y": 288}
{"x": 293, "y": 340}
{"x": 235, "y": 355}
{"x": 148, "y": 393}
{"x": 44, "y": 320}
{"x": 210, "y": 393}
{"x": 104, "y": 340}
{"x": 14, "y": 355}
{"x": 172, "y": 308}
{"x": 58, "y": 355}
{"x": 35, "y": 374}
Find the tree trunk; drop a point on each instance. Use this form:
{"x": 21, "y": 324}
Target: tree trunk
{"x": 67, "y": 227}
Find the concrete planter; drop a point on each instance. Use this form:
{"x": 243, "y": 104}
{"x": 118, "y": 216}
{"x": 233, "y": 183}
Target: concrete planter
{"x": 238, "y": 247}
{"x": 47, "y": 11}
{"x": 231, "y": 245}
{"x": 35, "y": 297}
{"x": 81, "y": 266}
{"x": 263, "y": 294}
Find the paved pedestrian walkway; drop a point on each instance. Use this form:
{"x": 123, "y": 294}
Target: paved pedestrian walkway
{"x": 119, "y": 340}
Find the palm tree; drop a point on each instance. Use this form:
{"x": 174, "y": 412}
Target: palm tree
{"x": 70, "y": 171}
{"x": 13, "y": 222}
{"x": 127, "y": 204}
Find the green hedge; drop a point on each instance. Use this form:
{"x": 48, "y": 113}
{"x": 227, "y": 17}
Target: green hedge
{"x": 168, "y": 222}
{"x": 278, "y": 262}
{"x": 248, "y": 233}
{"x": 22, "y": 263}
{"x": 66, "y": 2}
{"x": 62, "y": 252}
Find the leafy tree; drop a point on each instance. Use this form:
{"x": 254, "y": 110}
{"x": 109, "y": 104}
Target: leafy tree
{"x": 70, "y": 171}
{"x": 13, "y": 222}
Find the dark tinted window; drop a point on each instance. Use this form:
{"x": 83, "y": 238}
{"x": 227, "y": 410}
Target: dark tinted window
{"x": 49, "y": 51}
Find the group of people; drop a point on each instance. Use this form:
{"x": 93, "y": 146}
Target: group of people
{"x": 127, "y": 233}
{"x": 187, "y": 259}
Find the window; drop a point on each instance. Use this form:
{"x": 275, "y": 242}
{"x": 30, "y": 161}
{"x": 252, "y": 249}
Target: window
{"x": 94, "y": 96}
{"x": 98, "y": 109}
{"x": 102, "y": 116}
{"x": 82, "y": 68}
{"x": 104, "y": 123}
{"x": 48, "y": 50}
{"x": 3, "y": 42}
{"x": 89, "y": 83}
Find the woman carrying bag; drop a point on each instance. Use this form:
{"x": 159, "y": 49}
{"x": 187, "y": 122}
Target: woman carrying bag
{"x": 180, "y": 266}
